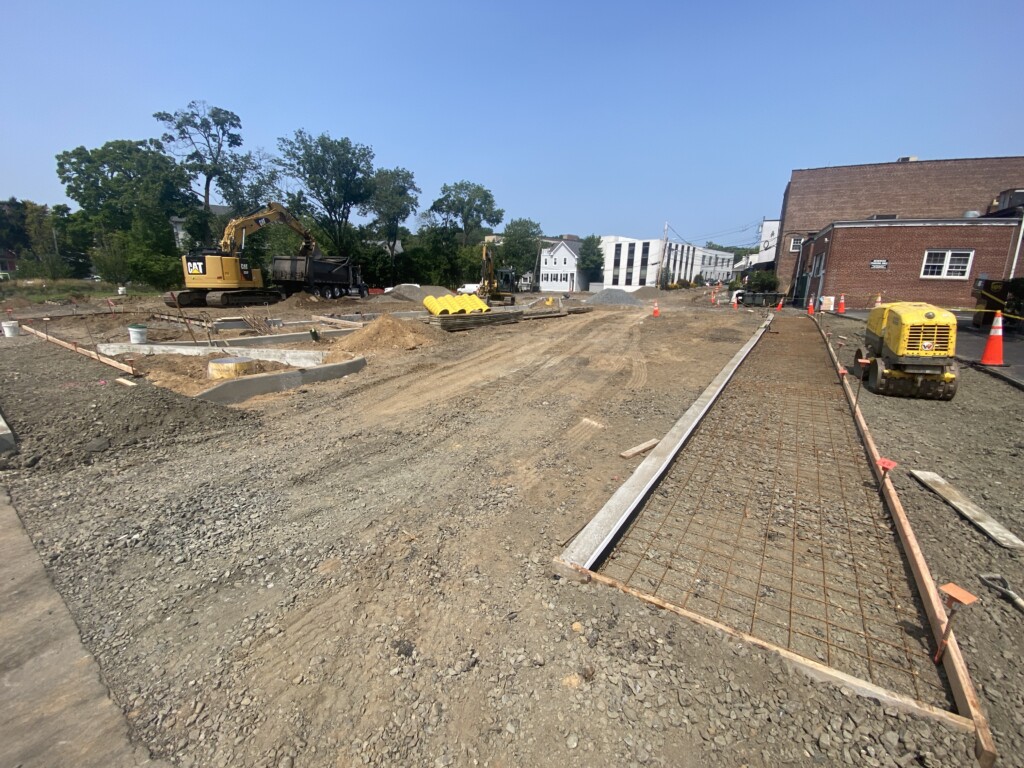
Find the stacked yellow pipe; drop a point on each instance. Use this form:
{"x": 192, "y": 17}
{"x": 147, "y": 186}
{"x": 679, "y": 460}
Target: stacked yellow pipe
{"x": 455, "y": 305}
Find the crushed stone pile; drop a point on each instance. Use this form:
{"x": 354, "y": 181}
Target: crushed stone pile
{"x": 647, "y": 292}
{"x": 417, "y": 293}
{"x": 383, "y": 334}
{"x": 614, "y": 297}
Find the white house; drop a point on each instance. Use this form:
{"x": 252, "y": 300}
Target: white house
{"x": 630, "y": 263}
{"x": 559, "y": 267}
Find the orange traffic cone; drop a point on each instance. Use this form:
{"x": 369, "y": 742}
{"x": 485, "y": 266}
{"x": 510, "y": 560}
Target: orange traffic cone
{"x": 779, "y": 307}
{"x": 657, "y": 312}
{"x": 841, "y": 309}
{"x": 993, "y": 354}
{"x": 810, "y": 307}
{"x": 734, "y": 304}
{"x": 878, "y": 300}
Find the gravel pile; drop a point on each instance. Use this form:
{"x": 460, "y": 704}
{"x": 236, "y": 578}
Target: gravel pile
{"x": 615, "y": 297}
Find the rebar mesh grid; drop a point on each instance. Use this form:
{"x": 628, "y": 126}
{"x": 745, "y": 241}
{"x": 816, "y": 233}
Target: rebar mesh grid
{"x": 769, "y": 521}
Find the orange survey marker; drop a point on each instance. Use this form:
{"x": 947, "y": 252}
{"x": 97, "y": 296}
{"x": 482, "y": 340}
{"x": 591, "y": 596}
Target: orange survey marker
{"x": 954, "y": 597}
{"x": 993, "y": 354}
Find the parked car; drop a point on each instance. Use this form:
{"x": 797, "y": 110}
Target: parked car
{"x": 467, "y": 288}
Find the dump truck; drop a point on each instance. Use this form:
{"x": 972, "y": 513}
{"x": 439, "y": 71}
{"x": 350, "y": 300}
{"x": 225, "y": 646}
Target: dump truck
{"x": 224, "y": 277}
{"x": 909, "y": 351}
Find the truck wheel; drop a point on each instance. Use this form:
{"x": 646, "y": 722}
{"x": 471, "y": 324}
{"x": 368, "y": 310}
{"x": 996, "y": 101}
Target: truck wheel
{"x": 336, "y": 292}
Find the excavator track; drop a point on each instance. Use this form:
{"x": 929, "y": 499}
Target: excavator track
{"x": 241, "y": 298}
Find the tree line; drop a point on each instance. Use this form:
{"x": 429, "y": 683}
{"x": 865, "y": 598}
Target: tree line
{"x": 130, "y": 191}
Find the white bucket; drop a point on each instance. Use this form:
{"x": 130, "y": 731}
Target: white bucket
{"x": 11, "y": 328}
{"x": 122, "y": 291}
{"x": 137, "y": 334}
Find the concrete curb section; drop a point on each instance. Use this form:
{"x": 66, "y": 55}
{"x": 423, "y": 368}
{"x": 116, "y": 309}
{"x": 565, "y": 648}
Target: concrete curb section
{"x": 301, "y": 358}
{"x": 239, "y": 390}
{"x": 256, "y": 341}
{"x": 55, "y": 708}
{"x": 592, "y": 541}
{"x": 7, "y": 441}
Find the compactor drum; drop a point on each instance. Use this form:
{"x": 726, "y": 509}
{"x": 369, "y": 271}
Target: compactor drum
{"x": 909, "y": 351}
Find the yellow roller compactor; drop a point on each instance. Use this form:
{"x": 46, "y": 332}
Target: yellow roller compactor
{"x": 910, "y": 349}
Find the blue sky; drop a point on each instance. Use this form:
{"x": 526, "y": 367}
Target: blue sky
{"x": 588, "y": 117}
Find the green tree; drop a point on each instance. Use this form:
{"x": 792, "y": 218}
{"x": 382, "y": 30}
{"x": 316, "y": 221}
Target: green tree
{"x": 202, "y": 137}
{"x": 110, "y": 257}
{"x": 127, "y": 185}
{"x": 468, "y": 207}
{"x": 591, "y": 260}
{"x": 762, "y": 281}
{"x": 395, "y": 198}
{"x": 14, "y": 237}
{"x": 335, "y": 176}
{"x": 131, "y": 188}
{"x": 250, "y": 181}
{"x": 737, "y": 251}
{"x": 520, "y": 244}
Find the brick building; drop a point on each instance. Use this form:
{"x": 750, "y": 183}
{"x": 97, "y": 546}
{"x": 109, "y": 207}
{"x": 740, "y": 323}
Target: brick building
{"x": 932, "y": 260}
{"x": 907, "y": 189}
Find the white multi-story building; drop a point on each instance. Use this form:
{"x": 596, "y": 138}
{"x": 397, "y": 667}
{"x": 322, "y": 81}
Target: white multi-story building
{"x": 631, "y": 263}
{"x": 559, "y": 267}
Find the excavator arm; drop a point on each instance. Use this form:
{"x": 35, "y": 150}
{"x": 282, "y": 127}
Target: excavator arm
{"x": 233, "y": 241}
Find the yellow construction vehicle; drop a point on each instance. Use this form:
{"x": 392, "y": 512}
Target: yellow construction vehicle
{"x": 224, "y": 277}
{"x": 496, "y": 285}
{"x": 909, "y": 351}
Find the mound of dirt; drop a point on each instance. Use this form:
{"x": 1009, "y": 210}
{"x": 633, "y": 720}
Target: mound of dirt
{"x": 384, "y": 334}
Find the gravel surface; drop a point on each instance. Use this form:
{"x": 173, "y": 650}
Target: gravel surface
{"x": 359, "y": 572}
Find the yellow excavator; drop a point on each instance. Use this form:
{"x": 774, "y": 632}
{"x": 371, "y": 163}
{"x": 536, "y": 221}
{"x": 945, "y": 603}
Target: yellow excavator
{"x": 223, "y": 277}
{"x": 497, "y": 286}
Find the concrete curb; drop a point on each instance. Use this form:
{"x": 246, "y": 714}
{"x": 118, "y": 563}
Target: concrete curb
{"x": 255, "y": 341}
{"x": 301, "y": 358}
{"x": 7, "y": 441}
{"x": 239, "y": 390}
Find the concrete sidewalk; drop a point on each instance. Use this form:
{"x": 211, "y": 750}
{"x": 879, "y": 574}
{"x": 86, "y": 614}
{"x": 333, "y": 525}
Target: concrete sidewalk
{"x": 55, "y": 711}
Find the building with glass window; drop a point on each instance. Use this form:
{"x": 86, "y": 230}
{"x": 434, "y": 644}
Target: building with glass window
{"x": 630, "y": 264}
{"x": 908, "y": 190}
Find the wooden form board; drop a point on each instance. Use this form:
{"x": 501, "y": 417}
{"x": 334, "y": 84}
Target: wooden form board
{"x": 631, "y": 452}
{"x": 982, "y": 519}
{"x": 967, "y": 702}
{"x": 592, "y": 541}
{"x": 75, "y": 348}
{"x": 812, "y": 668}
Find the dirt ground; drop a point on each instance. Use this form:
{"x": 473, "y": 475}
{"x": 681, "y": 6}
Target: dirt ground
{"x": 358, "y": 572}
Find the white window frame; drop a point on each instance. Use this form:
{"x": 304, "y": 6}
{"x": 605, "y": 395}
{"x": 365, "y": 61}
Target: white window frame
{"x": 795, "y": 244}
{"x": 947, "y": 253}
